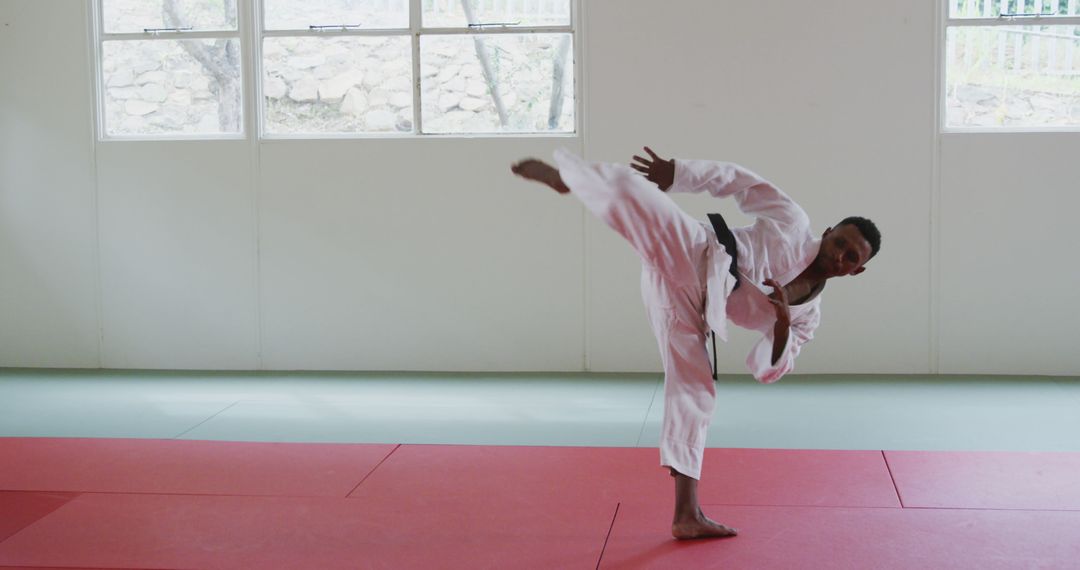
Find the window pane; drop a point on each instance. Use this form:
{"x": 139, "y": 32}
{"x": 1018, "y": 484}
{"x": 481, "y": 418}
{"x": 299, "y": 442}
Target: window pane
{"x": 298, "y": 15}
{"x": 338, "y": 85}
{"x": 532, "y": 76}
{"x": 994, "y": 8}
{"x": 171, "y": 87}
{"x": 125, "y": 16}
{"x": 1023, "y": 76}
{"x": 452, "y": 13}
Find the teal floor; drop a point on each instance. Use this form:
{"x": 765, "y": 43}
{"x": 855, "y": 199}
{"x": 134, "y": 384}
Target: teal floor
{"x": 620, "y": 410}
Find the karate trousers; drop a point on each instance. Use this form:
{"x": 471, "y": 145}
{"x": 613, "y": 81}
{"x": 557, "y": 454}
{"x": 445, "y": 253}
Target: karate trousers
{"x": 676, "y": 252}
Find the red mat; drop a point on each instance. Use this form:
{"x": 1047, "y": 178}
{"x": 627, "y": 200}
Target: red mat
{"x": 190, "y": 504}
{"x": 608, "y": 475}
{"x": 71, "y": 568}
{"x": 189, "y": 531}
{"x": 186, "y": 466}
{"x": 987, "y": 480}
{"x": 74, "y": 568}
{"x": 455, "y": 475}
{"x": 796, "y": 477}
{"x": 18, "y": 510}
{"x": 825, "y": 537}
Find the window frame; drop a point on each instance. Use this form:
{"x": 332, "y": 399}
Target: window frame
{"x": 251, "y": 32}
{"x": 949, "y": 21}
{"x": 98, "y": 37}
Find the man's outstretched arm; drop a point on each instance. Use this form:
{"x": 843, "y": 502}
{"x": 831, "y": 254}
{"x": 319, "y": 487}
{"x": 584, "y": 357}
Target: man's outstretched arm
{"x": 754, "y": 195}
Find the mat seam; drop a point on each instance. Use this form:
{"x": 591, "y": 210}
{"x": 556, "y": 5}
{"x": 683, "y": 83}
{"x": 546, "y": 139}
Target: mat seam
{"x": 999, "y": 509}
{"x": 608, "y": 537}
{"x": 223, "y": 410}
{"x": 172, "y": 494}
{"x": 909, "y": 508}
{"x": 705, "y": 504}
{"x": 373, "y": 469}
{"x": 37, "y": 520}
{"x": 893, "y": 478}
{"x": 2, "y": 566}
{"x": 645, "y": 422}
{"x": 796, "y": 506}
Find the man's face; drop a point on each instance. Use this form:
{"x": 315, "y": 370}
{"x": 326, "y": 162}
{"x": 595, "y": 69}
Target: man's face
{"x": 843, "y": 251}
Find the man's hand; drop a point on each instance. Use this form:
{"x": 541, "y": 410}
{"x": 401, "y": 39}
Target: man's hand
{"x": 782, "y": 328}
{"x": 779, "y": 300}
{"x": 658, "y": 171}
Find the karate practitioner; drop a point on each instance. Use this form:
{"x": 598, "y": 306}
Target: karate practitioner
{"x": 692, "y": 281}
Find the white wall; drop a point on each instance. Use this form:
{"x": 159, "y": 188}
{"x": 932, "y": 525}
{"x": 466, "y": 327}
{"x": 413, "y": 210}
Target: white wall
{"x": 48, "y": 271}
{"x": 833, "y": 104}
{"x": 428, "y": 255}
{"x": 438, "y": 262}
{"x": 1009, "y": 272}
{"x": 178, "y": 258}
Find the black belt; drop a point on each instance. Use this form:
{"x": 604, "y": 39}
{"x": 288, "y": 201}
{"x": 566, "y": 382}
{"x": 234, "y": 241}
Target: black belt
{"x": 726, "y": 239}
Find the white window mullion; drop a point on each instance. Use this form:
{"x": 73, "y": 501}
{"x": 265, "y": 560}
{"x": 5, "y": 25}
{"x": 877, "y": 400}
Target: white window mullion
{"x": 99, "y": 66}
{"x": 579, "y": 71}
{"x": 414, "y": 29}
{"x": 249, "y": 66}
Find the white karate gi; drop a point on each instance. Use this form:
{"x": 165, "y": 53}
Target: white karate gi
{"x": 686, "y": 283}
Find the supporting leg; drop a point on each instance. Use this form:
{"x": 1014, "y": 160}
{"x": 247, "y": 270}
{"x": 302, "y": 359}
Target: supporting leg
{"x": 689, "y": 522}
{"x": 689, "y": 398}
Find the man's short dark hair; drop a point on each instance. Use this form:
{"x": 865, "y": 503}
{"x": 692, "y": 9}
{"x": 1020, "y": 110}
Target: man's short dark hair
{"x": 867, "y": 229}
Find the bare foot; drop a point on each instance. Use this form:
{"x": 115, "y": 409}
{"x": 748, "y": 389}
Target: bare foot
{"x": 542, "y": 172}
{"x": 701, "y": 526}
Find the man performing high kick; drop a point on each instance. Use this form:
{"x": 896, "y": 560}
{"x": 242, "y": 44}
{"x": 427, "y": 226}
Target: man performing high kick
{"x": 697, "y": 275}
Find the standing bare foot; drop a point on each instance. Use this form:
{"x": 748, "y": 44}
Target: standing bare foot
{"x": 542, "y": 172}
{"x": 700, "y": 526}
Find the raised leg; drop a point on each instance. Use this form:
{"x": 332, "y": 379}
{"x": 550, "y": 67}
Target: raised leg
{"x": 664, "y": 236}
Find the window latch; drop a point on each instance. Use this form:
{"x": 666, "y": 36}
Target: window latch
{"x": 341, "y": 27}
{"x": 170, "y": 30}
{"x": 1025, "y": 14}
{"x": 494, "y": 25}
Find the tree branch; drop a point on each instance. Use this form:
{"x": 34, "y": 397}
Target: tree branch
{"x": 211, "y": 59}
{"x": 558, "y": 81}
{"x": 485, "y": 65}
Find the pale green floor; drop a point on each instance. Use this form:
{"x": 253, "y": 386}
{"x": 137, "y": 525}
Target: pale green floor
{"x": 621, "y": 410}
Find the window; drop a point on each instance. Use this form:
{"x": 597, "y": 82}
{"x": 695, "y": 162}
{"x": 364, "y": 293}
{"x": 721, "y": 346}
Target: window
{"x": 175, "y": 68}
{"x": 1012, "y": 65}
{"x": 151, "y": 82}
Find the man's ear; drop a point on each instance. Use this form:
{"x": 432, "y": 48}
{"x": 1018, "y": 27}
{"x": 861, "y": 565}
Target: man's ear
{"x": 859, "y": 270}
